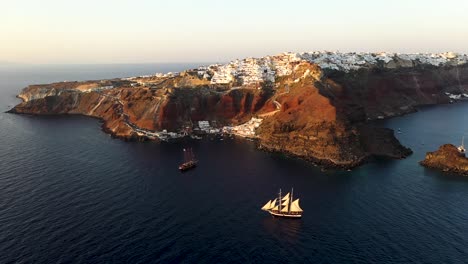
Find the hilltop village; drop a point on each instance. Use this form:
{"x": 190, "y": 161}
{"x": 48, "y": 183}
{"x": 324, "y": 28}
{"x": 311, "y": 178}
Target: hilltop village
{"x": 251, "y": 71}
{"x": 255, "y": 71}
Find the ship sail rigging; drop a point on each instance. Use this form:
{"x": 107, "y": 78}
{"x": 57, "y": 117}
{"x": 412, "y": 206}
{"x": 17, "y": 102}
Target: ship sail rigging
{"x": 188, "y": 155}
{"x": 286, "y": 207}
{"x": 461, "y": 148}
{"x": 189, "y": 160}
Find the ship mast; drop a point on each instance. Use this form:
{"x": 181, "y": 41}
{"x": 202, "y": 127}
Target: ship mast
{"x": 279, "y": 203}
{"x": 192, "y": 156}
{"x": 290, "y": 200}
{"x": 461, "y": 148}
{"x": 188, "y": 154}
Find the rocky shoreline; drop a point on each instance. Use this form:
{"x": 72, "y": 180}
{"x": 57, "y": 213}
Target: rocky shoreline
{"x": 448, "y": 159}
{"x": 299, "y": 108}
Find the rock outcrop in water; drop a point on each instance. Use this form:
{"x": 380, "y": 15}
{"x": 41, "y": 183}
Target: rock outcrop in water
{"x": 447, "y": 158}
{"x": 310, "y": 108}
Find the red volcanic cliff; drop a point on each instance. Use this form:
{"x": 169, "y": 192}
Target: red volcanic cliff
{"x": 310, "y": 113}
{"x": 125, "y": 108}
{"x": 186, "y": 105}
{"x": 325, "y": 129}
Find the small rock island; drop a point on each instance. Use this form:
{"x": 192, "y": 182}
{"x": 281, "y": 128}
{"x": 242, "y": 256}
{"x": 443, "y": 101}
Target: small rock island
{"x": 447, "y": 158}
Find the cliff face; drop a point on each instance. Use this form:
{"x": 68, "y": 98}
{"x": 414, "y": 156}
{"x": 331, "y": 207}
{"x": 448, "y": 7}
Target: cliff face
{"x": 125, "y": 110}
{"x": 447, "y": 158}
{"x": 320, "y": 115}
{"x": 383, "y": 93}
{"x": 321, "y": 121}
{"x": 185, "y": 105}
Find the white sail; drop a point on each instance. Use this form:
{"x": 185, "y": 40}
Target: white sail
{"x": 285, "y": 209}
{"x": 285, "y": 203}
{"x": 273, "y": 203}
{"x": 275, "y": 208}
{"x": 295, "y": 206}
{"x": 286, "y": 197}
{"x": 267, "y": 206}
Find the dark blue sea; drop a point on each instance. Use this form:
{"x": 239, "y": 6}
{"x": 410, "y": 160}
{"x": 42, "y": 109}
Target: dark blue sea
{"x": 69, "y": 193}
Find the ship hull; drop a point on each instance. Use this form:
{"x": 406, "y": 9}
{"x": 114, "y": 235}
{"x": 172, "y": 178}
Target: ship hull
{"x": 187, "y": 166}
{"x": 294, "y": 216}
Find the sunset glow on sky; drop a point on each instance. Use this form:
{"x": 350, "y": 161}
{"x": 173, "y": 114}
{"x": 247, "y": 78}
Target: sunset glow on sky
{"x": 53, "y": 31}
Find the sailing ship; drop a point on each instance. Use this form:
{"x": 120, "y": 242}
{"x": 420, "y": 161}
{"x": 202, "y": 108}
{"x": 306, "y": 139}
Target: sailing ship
{"x": 284, "y": 206}
{"x": 461, "y": 148}
{"x": 189, "y": 160}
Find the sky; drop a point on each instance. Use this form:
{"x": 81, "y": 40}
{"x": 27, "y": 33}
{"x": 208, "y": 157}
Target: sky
{"x": 154, "y": 31}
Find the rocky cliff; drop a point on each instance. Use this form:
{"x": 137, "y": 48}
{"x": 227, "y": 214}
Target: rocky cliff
{"x": 125, "y": 110}
{"x": 447, "y": 158}
{"x": 323, "y": 121}
{"x": 308, "y": 110}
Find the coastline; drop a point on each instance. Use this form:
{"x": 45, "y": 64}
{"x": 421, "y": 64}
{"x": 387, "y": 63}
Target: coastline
{"x": 320, "y": 116}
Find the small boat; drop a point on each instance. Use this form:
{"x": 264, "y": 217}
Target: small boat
{"x": 461, "y": 148}
{"x": 284, "y": 206}
{"x": 189, "y": 160}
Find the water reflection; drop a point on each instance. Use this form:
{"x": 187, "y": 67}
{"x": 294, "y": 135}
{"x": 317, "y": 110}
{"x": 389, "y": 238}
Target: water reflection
{"x": 284, "y": 229}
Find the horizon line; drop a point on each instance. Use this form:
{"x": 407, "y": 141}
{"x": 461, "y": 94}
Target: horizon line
{"x": 7, "y": 63}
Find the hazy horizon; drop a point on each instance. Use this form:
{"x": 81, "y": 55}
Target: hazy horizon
{"x": 122, "y": 32}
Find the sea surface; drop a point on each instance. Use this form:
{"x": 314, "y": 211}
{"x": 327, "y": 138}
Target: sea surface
{"x": 69, "y": 193}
